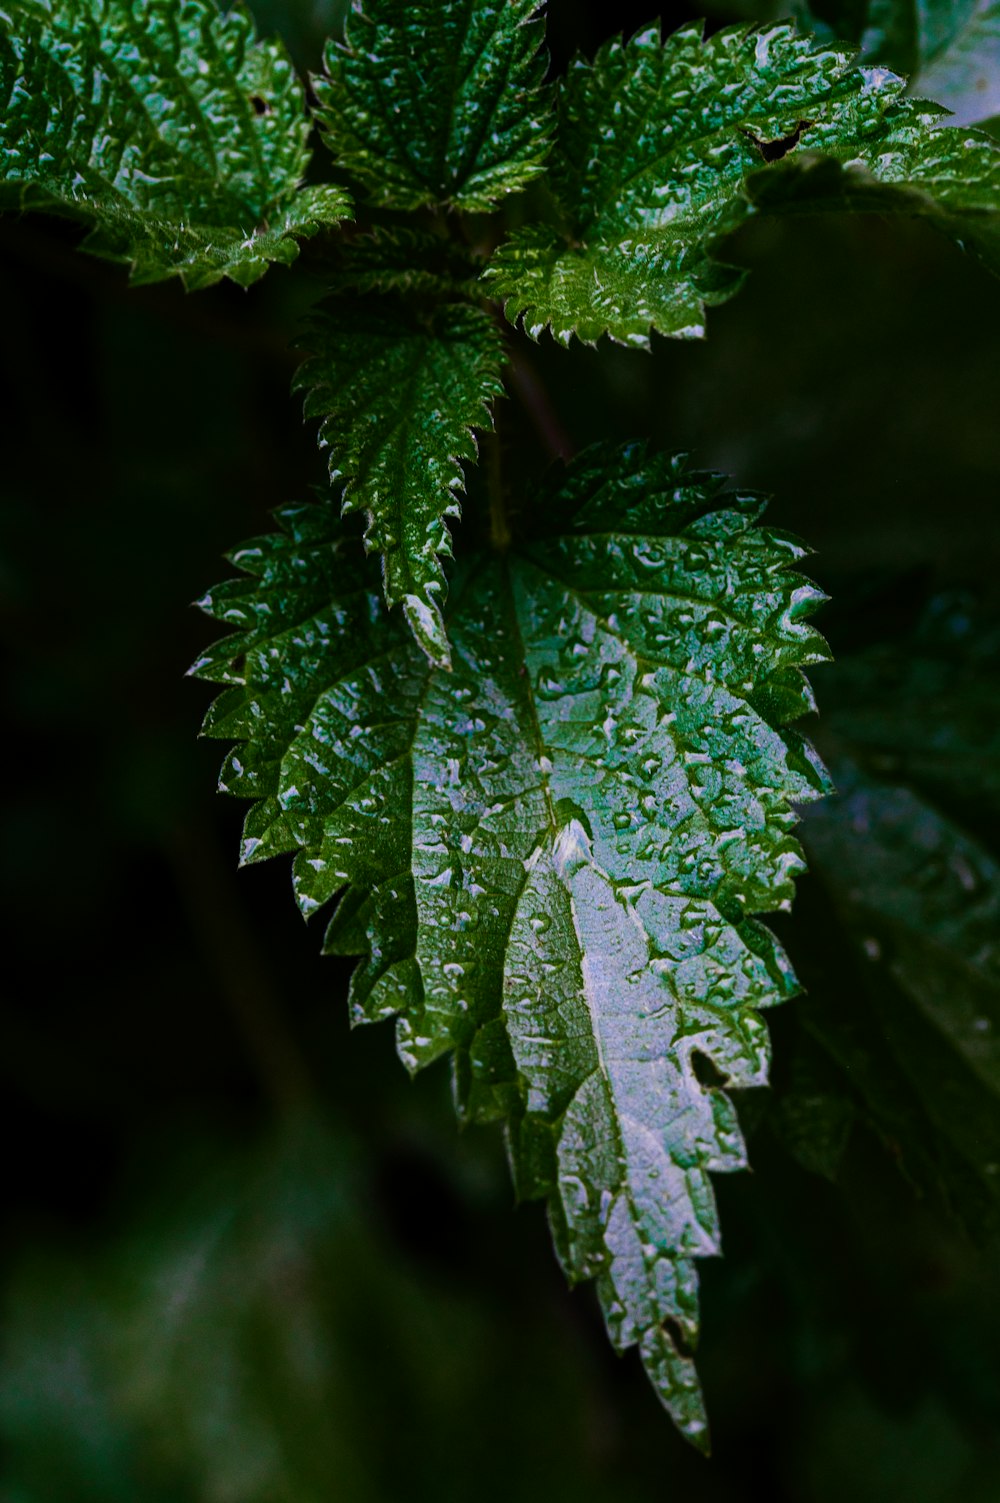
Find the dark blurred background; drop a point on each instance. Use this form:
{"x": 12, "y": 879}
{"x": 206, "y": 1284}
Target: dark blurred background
{"x": 246, "y": 1260}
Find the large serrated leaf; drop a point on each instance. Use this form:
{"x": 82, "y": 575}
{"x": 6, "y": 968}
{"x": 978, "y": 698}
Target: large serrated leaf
{"x": 437, "y": 102}
{"x": 400, "y": 390}
{"x": 171, "y": 130}
{"x": 664, "y": 147}
{"x": 550, "y": 858}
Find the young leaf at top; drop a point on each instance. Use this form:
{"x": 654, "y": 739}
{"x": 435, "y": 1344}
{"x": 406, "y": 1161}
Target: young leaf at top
{"x": 664, "y": 147}
{"x": 399, "y": 390}
{"x": 550, "y": 858}
{"x": 170, "y": 129}
{"x": 432, "y": 102}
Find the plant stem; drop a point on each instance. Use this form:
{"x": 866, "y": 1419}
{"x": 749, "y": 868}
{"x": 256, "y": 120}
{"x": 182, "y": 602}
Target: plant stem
{"x": 530, "y": 391}
{"x": 500, "y": 534}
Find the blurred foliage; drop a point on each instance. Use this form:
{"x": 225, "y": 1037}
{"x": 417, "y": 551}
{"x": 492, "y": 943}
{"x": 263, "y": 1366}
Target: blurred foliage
{"x": 303, "y": 25}
{"x": 255, "y": 1345}
{"x": 911, "y": 909}
{"x": 245, "y": 1257}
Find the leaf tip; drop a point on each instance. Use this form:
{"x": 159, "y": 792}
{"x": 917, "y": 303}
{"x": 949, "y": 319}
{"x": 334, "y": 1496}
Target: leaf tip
{"x": 427, "y": 625}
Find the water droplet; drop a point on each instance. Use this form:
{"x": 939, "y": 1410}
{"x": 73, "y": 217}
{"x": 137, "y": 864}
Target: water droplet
{"x": 548, "y": 687}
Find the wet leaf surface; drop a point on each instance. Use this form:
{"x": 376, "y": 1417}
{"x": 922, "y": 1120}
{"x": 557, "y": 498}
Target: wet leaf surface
{"x": 659, "y": 154}
{"x": 551, "y": 856}
{"x": 437, "y": 102}
{"x": 949, "y": 50}
{"x": 181, "y": 140}
{"x": 399, "y": 391}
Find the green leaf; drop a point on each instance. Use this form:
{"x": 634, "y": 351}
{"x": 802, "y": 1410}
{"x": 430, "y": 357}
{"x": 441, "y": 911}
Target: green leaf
{"x": 959, "y": 59}
{"x": 901, "y": 957}
{"x": 171, "y": 130}
{"x": 952, "y": 181}
{"x": 948, "y": 49}
{"x": 813, "y": 1114}
{"x": 922, "y": 710}
{"x": 665, "y": 147}
{"x": 920, "y": 904}
{"x": 550, "y": 858}
{"x": 402, "y": 260}
{"x": 433, "y": 102}
{"x": 399, "y": 390}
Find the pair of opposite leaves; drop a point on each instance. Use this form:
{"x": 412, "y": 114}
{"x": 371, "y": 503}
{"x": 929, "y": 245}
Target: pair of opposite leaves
{"x": 183, "y": 140}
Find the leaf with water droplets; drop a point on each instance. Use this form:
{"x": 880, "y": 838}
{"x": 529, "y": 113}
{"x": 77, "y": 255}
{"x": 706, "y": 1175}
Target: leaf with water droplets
{"x": 949, "y": 50}
{"x": 173, "y": 132}
{"x": 551, "y": 858}
{"x": 400, "y": 391}
{"x": 665, "y": 147}
{"x": 433, "y": 102}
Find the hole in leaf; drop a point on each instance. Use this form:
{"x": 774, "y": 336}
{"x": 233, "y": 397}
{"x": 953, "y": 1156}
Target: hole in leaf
{"x": 773, "y": 151}
{"x": 706, "y": 1071}
{"x": 260, "y": 106}
{"x": 671, "y": 1328}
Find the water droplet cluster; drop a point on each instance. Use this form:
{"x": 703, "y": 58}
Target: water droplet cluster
{"x": 550, "y": 857}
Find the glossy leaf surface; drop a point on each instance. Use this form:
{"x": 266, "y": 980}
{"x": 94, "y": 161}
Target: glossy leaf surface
{"x": 949, "y": 50}
{"x": 399, "y": 390}
{"x": 171, "y": 130}
{"x": 550, "y": 858}
{"x": 437, "y": 101}
{"x": 664, "y": 147}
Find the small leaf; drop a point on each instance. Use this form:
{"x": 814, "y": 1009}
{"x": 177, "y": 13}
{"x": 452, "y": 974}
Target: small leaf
{"x": 403, "y": 261}
{"x": 664, "y": 147}
{"x": 551, "y": 857}
{"x": 432, "y": 102}
{"x": 399, "y": 391}
{"x": 172, "y": 131}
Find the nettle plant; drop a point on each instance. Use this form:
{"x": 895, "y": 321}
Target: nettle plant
{"x": 544, "y": 768}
